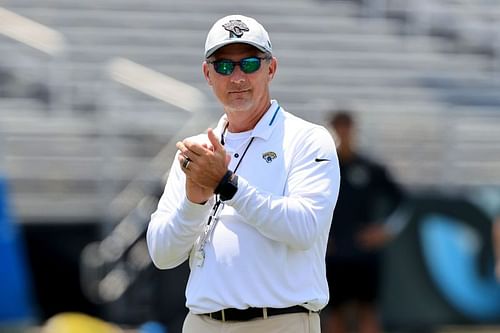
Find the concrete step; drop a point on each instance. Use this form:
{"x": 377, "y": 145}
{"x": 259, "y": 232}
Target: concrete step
{"x": 67, "y": 20}
{"x": 257, "y": 7}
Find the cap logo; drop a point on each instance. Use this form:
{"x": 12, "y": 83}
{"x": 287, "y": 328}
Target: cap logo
{"x": 236, "y": 28}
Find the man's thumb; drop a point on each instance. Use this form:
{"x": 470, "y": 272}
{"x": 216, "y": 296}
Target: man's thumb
{"x": 214, "y": 141}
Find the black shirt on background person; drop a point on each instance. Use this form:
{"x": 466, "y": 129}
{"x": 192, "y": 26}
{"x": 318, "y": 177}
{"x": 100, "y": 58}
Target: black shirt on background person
{"x": 367, "y": 196}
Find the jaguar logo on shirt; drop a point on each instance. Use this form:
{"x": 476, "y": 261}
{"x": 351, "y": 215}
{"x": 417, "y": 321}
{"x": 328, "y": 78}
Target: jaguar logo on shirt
{"x": 269, "y": 156}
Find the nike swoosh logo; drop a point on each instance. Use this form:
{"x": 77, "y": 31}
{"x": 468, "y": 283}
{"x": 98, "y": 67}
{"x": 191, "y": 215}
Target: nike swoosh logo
{"x": 321, "y": 160}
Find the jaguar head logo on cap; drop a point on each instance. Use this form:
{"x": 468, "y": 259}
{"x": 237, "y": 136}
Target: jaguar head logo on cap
{"x": 242, "y": 30}
{"x": 236, "y": 28}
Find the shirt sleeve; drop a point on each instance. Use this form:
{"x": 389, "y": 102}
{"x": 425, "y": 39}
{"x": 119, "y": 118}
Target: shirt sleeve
{"x": 387, "y": 185}
{"x": 176, "y": 224}
{"x": 304, "y": 213}
{"x": 386, "y": 195}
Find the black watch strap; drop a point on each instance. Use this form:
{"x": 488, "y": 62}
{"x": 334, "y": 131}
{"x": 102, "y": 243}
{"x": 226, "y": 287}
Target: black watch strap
{"x": 227, "y": 187}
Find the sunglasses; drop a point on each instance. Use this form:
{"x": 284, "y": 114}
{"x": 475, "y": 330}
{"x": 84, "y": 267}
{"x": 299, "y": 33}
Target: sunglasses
{"x": 247, "y": 65}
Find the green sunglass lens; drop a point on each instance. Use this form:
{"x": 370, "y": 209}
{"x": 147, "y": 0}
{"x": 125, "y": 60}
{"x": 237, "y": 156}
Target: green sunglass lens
{"x": 247, "y": 65}
{"x": 224, "y": 67}
{"x": 250, "y": 65}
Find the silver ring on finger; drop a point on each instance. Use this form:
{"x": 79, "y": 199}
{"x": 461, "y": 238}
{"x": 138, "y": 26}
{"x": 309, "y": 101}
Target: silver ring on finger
{"x": 186, "y": 162}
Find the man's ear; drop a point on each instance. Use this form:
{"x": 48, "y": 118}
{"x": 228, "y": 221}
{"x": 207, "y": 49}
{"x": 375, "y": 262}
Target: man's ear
{"x": 273, "y": 67}
{"x": 206, "y": 72}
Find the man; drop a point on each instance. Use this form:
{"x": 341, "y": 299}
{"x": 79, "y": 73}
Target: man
{"x": 367, "y": 195}
{"x": 249, "y": 203}
{"x": 496, "y": 245}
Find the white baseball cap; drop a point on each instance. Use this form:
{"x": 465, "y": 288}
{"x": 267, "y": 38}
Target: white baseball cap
{"x": 237, "y": 29}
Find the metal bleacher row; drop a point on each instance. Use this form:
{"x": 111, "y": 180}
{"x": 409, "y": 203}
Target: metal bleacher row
{"x": 427, "y": 104}
{"x": 475, "y": 24}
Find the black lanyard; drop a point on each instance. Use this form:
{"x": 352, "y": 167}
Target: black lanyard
{"x": 217, "y": 205}
{"x": 222, "y": 141}
{"x": 215, "y": 212}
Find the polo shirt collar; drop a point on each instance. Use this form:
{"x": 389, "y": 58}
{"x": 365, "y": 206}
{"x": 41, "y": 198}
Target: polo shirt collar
{"x": 266, "y": 124}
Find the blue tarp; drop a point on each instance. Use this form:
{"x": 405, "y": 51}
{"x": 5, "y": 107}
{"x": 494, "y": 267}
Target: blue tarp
{"x": 16, "y": 302}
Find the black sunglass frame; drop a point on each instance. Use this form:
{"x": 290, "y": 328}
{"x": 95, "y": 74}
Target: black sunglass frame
{"x": 216, "y": 63}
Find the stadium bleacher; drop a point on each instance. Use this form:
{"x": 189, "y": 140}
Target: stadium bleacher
{"x": 80, "y": 144}
{"x": 330, "y": 54}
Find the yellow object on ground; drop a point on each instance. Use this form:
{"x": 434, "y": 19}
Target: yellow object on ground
{"x": 72, "y": 322}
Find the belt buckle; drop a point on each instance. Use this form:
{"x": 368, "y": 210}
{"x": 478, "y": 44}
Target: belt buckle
{"x": 264, "y": 313}
{"x": 223, "y": 315}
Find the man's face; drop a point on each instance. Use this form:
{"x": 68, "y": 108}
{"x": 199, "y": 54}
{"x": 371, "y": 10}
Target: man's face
{"x": 239, "y": 91}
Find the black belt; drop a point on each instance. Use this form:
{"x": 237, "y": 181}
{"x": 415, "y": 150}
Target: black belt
{"x": 252, "y": 313}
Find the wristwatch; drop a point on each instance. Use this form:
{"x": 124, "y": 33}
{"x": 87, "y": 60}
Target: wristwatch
{"x": 227, "y": 187}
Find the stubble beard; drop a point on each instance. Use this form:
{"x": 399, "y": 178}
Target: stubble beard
{"x": 240, "y": 105}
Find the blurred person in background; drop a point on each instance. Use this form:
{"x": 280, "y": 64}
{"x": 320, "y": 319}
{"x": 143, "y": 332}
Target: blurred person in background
{"x": 250, "y": 203}
{"x": 496, "y": 245}
{"x": 367, "y": 195}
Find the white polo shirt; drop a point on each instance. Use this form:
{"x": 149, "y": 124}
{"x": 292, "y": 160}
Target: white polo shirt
{"x": 268, "y": 248}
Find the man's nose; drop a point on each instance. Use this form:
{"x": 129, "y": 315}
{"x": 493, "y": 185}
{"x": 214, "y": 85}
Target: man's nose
{"x": 238, "y": 76}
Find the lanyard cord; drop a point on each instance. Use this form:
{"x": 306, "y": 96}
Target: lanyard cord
{"x": 218, "y": 206}
{"x": 243, "y": 155}
{"x": 219, "y": 201}
{"x": 222, "y": 141}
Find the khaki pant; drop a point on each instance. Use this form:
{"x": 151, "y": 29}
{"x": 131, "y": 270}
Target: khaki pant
{"x": 286, "y": 323}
